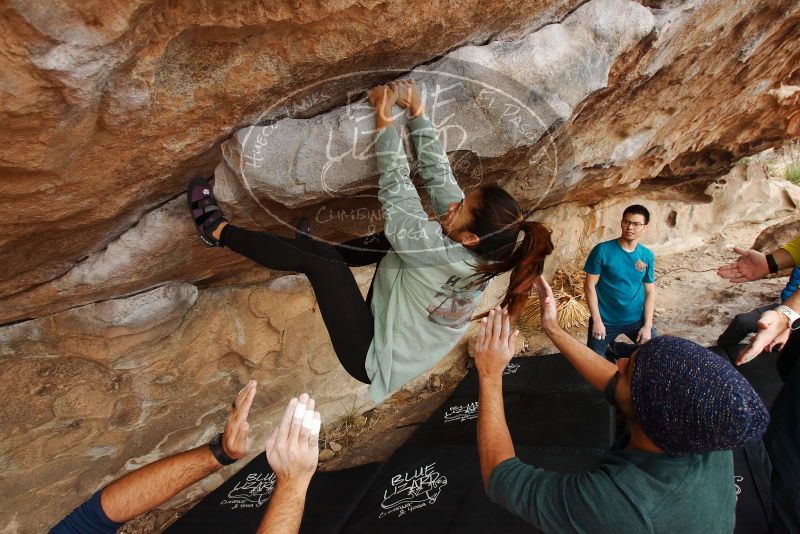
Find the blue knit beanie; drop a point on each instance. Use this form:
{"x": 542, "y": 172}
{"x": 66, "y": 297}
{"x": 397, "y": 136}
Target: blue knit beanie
{"x": 689, "y": 400}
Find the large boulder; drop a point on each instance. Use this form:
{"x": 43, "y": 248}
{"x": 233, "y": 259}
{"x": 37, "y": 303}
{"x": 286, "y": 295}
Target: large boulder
{"x": 122, "y": 337}
{"x": 126, "y": 107}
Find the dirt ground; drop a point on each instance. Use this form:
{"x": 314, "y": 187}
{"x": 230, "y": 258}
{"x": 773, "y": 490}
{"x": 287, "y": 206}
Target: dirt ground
{"x": 691, "y": 302}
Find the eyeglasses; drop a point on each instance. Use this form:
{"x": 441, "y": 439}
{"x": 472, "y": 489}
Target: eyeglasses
{"x": 634, "y": 225}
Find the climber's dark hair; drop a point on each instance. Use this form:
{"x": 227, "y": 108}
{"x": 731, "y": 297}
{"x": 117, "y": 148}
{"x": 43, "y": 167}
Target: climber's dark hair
{"x": 497, "y": 220}
{"x": 637, "y": 209}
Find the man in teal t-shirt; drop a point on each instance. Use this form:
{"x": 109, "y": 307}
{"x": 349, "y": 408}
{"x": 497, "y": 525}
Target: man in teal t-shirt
{"x": 620, "y": 285}
{"x": 686, "y": 409}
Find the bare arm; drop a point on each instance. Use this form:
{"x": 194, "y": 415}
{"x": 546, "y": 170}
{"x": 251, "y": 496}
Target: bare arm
{"x": 783, "y": 258}
{"x": 493, "y": 351}
{"x": 592, "y": 367}
{"x": 590, "y": 291}
{"x": 285, "y": 510}
{"x": 494, "y": 439}
{"x": 649, "y": 310}
{"x": 156, "y": 483}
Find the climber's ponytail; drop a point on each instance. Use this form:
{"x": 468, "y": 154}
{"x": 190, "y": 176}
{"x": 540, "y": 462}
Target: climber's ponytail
{"x": 497, "y": 221}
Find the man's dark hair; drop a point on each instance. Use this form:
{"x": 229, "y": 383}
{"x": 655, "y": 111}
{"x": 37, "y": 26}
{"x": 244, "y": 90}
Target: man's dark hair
{"x": 637, "y": 209}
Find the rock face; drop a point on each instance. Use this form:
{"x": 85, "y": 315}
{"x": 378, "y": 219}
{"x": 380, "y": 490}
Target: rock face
{"x": 125, "y": 101}
{"x": 123, "y": 338}
{"x": 566, "y": 102}
{"x": 104, "y": 388}
{"x": 680, "y": 218}
{"x": 101, "y": 389}
{"x": 777, "y": 235}
{"x": 487, "y": 100}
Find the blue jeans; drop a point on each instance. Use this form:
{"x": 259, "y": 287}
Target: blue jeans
{"x": 600, "y": 345}
{"x": 783, "y": 442}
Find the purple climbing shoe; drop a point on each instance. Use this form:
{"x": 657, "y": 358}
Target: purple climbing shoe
{"x": 205, "y": 212}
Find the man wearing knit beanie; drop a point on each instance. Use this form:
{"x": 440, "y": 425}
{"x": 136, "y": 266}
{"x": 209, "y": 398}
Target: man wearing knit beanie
{"x": 686, "y": 408}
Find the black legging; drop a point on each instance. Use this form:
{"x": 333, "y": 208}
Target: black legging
{"x": 347, "y": 316}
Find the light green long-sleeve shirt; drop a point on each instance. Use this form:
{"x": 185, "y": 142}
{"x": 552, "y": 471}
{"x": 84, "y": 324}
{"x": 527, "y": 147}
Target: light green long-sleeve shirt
{"x": 424, "y": 291}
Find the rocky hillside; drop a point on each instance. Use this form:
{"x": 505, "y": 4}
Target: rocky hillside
{"x": 123, "y": 337}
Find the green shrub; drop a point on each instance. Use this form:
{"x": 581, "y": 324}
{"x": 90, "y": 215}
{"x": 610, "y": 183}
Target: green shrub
{"x": 792, "y": 173}
{"x": 790, "y": 161}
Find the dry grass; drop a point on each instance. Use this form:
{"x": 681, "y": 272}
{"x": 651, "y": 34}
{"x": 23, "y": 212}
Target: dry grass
{"x": 344, "y": 427}
{"x": 784, "y": 162}
{"x": 571, "y": 310}
{"x": 790, "y": 161}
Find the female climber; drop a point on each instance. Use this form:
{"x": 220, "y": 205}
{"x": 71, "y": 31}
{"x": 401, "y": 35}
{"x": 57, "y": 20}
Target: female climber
{"x": 430, "y": 273}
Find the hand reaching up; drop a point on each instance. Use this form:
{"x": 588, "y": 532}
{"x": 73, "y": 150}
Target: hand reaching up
{"x": 496, "y": 343}
{"x": 547, "y": 304}
{"x": 236, "y": 437}
{"x": 408, "y": 96}
{"x": 293, "y": 448}
{"x": 382, "y": 98}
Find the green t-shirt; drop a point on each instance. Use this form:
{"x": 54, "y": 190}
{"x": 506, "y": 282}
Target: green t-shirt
{"x": 628, "y": 491}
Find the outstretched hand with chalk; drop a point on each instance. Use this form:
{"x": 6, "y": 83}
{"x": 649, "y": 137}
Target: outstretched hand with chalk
{"x": 293, "y": 447}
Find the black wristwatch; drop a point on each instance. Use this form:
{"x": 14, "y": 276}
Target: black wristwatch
{"x": 219, "y": 453}
{"x": 772, "y": 264}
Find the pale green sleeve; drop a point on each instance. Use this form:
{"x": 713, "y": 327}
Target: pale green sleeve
{"x": 433, "y": 165}
{"x": 407, "y": 227}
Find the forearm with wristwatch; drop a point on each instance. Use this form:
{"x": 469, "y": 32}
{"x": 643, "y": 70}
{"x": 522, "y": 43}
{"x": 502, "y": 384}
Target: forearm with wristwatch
{"x": 779, "y": 259}
{"x": 219, "y": 451}
{"x": 792, "y": 317}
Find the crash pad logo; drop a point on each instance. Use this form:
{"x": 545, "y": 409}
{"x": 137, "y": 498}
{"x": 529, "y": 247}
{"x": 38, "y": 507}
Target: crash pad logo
{"x": 461, "y": 413}
{"x": 412, "y": 491}
{"x": 736, "y": 481}
{"x": 511, "y": 369}
{"x": 252, "y": 492}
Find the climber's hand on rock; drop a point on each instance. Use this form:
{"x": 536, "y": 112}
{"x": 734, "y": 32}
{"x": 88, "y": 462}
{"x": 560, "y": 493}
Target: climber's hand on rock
{"x": 236, "y": 437}
{"x": 382, "y": 98}
{"x": 408, "y": 96}
{"x": 750, "y": 266}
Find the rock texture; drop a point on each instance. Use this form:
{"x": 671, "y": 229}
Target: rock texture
{"x": 104, "y": 388}
{"x": 681, "y": 218}
{"x": 606, "y": 94}
{"x": 777, "y": 235}
{"x": 124, "y": 101}
{"x": 107, "y": 387}
{"x": 123, "y": 338}
{"x": 487, "y": 100}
